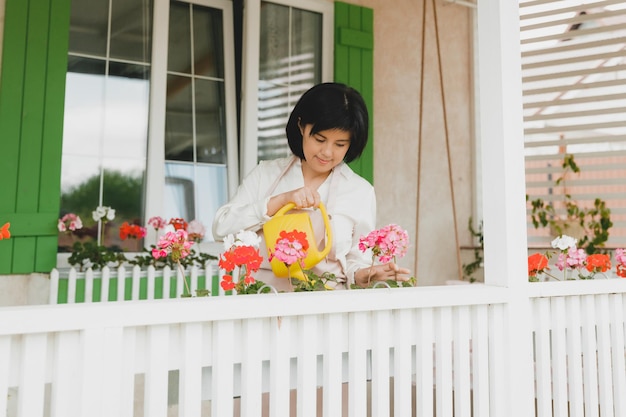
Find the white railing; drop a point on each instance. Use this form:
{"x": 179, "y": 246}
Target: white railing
{"x": 443, "y": 349}
{"x": 71, "y": 285}
{"x": 579, "y": 346}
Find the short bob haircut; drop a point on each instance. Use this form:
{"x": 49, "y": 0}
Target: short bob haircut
{"x": 329, "y": 106}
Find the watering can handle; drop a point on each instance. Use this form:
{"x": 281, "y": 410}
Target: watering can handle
{"x": 329, "y": 231}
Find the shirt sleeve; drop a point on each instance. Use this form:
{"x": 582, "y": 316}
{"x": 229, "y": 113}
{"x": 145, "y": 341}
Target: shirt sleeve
{"x": 364, "y": 223}
{"x": 247, "y": 210}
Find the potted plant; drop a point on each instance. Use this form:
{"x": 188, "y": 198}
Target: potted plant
{"x": 590, "y": 225}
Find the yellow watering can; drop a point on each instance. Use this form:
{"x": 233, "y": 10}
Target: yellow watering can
{"x": 281, "y": 221}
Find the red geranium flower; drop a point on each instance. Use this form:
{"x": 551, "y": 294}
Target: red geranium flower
{"x": 598, "y": 262}
{"x": 247, "y": 258}
{"x": 5, "y": 233}
{"x": 178, "y": 223}
{"x": 227, "y": 283}
{"x": 131, "y": 230}
{"x": 537, "y": 263}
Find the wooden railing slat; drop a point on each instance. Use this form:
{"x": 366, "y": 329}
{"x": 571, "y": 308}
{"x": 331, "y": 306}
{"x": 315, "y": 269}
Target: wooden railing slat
{"x": 443, "y": 361}
{"x": 357, "y": 365}
{"x": 30, "y": 398}
{"x": 617, "y": 318}
{"x": 381, "y": 340}
{"x": 190, "y": 377}
{"x": 66, "y": 375}
{"x": 331, "y": 380}
{"x": 574, "y": 362}
{"x": 480, "y": 360}
{"x": 461, "y": 361}
{"x": 543, "y": 390}
{"x": 403, "y": 341}
{"x": 251, "y": 368}
{"x": 424, "y": 366}
{"x": 5, "y": 358}
{"x": 156, "y": 375}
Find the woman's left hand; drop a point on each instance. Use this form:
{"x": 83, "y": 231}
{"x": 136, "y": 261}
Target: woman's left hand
{"x": 365, "y": 276}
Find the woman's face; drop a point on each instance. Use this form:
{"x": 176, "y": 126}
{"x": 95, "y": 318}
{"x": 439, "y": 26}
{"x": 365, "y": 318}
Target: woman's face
{"x": 326, "y": 149}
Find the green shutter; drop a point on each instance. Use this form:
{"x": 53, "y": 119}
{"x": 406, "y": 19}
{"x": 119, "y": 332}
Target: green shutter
{"x": 354, "y": 66}
{"x": 32, "y": 90}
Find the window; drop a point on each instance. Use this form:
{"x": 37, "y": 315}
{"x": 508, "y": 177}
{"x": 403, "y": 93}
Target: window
{"x": 106, "y": 111}
{"x": 574, "y": 88}
{"x": 295, "y": 53}
{"x": 193, "y": 113}
{"x": 150, "y": 112}
{"x": 148, "y": 133}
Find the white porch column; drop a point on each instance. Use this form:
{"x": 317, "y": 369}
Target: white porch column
{"x": 504, "y": 206}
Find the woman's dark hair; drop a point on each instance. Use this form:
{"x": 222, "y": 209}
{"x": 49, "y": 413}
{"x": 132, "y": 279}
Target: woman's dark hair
{"x": 330, "y": 106}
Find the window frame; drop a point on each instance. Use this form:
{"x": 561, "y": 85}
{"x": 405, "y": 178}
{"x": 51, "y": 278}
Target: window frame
{"x": 155, "y": 169}
{"x": 250, "y": 68}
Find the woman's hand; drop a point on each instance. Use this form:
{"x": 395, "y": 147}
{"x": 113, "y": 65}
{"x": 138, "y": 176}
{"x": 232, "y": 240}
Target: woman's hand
{"x": 366, "y": 276}
{"x": 302, "y": 197}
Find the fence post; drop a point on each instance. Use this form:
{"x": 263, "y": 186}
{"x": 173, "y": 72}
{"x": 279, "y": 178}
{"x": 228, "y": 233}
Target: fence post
{"x": 54, "y": 287}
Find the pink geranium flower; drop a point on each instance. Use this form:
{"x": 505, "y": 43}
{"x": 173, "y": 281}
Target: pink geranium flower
{"x": 174, "y": 243}
{"x": 574, "y": 258}
{"x": 70, "y": 222}
{"x": 291, "y": 247}
{"x": 157, "y": 223}
{"x": 388, "y": 243}
{"x": 620, "y": 259}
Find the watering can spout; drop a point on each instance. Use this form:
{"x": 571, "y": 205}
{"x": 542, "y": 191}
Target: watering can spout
{"x": 282, "y": 221}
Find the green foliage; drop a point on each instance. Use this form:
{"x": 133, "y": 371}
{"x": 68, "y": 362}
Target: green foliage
{"x": 391, "y": 283}
{"x": 470, "y": 268}
{"x": 594, "y": 221}
{"x": 313, "y": 282}
{"x": 90, "y": 254}
{"x": 121, "y": 191}
{"x": 194, "y": 258}
{"x": 258, "y": 287}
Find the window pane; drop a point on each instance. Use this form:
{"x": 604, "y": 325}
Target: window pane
{"x": 194, "y": 192}
{"x": 306, "y": 45}
{"x": 210, "y": 130}
{"x": 274, "y": 44}
{"x": 179, "y": 119}
{"x": 179, "y": 45}
{"x": 290, "y": 63}
{"x": 127, "y": 115}
{"x": 131, "y": 30}
{"x": 104, "y": 147}
{"x": 89, "y": 27}
{"x": 208, "y": 40}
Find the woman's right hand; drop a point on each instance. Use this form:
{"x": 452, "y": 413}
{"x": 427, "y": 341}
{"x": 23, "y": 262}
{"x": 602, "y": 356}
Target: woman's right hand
{"x": 304, "y": 197}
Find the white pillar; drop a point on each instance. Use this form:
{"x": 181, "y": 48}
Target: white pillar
{"x": 504, "y": 205}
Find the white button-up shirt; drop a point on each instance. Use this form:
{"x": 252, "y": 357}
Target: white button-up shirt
{"x": 349, "y": 199}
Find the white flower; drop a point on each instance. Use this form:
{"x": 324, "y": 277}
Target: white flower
{"x": 229, "y": 241}
{"x": 564, "y": 242}
{"x": 103, "y": 212}
{"x": 243, "y": 238}
{"x": 247, "y": 238}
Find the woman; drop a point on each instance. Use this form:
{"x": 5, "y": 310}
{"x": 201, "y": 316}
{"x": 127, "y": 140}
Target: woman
{"x": 327, "y": 128}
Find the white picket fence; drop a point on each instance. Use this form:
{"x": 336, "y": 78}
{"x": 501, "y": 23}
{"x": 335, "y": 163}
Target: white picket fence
{"x": 158, "y": 283}
{"x": 384, "y": 352}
